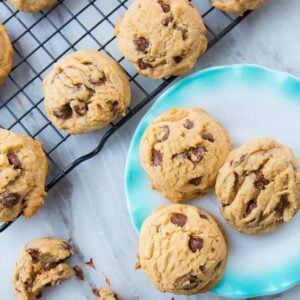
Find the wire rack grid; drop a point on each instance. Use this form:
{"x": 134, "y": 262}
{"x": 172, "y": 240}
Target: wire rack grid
{"x": 41, "y": 39}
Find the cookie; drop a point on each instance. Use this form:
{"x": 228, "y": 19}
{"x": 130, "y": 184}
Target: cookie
{"x": 107, "y": 294}
{"x": 23, "y": 170}
{"x": 182, "y": 152}
{"x": 41, "y": 264}
{"x": 161, "y": 37}
{"x": 32, "y": 6}
{"x": 6, "y": 54}
{"x": 182, "y": 249}
{"x": 237, "y": 7}
{"x": 86, "y": 91}
{"x": 259, "y": 186}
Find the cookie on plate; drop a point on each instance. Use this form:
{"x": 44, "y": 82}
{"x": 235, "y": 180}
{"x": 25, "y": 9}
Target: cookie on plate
{"x": 6, "y": 54}
{"x": 41, "y": 264}
{"x": 237, "y": 7}
{"x": 259, "y": 186}
{"x": 23, "y": 170}
{"x": 182, "y": 152}
{"x": 107, "y": 294}
{"x": 32, "y": 5}
{"x": 182, "y": 249}
{"x": 86, "y": 91}
{"x": 162, "y": 37}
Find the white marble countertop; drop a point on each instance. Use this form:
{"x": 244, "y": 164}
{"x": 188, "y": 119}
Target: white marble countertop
{"x": 89, "y": 205}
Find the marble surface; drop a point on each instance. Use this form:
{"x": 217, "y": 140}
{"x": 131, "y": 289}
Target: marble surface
{"x": 89, "y": 205}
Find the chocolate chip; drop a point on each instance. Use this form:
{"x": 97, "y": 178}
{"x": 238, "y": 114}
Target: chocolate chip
{"x": 164, "y": 133}
{"x": 188, "y": 282}
{"x": 64, "y": 112}
{"x": 50, "y": 265}
{"x": 203, "y": 216}
{"x": 165, "y": 6}
{"x": 196, "y": 154}
{"x": 79, "y": 273}
{"x": 260, "y": 181}
{"x": 167, "y": 21}
{"x": 87, "y": 63}
{"x": 34, "y": 253}
{"x": 195, "y": 181}
{"x": 156, "y": 157}
{"x": 224, "y": 205}
{"x": 14, "y": 160}
{"x": 183, "y": 30}
{"x": 195, "y": 243}
{"x": 202, "y": 269}
{"x": 143, "y": 65}
{"x": 9, "y": 199}
{"x": 188, "y": 124}
{"x": 142, "y": 44}
{"x": 250, "y": 206}
{"x": 236, "y": 179}
{"x": 282, "y": 205}
{"x": 218, "y": 265}
{"x": 208, "y": 137}
{"x": 98, "y": 82}
{"x": 178, "y": 59}
{"x": 239, "y": 161}
{"x": 114, "y": 107}
{"x": 81, "y": 108}
{"x": 178, "y": 219}
{"x": 96, "y": 292}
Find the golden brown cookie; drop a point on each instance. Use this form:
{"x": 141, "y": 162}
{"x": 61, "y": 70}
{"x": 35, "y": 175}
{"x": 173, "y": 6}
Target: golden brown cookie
{"x": 32, "y": 6}
{"x": 6, "y": 54}
{"x": 86, "y": 91}
{"x": 41, "y": 264}
{"x": 182, "y": 250}
{"x": 162, "y": 37}
{"x": 259, "y": 186}
{"x": 107, "y": 294}
{"x": 182, "y": 152}
{"x": 23, "y": 170}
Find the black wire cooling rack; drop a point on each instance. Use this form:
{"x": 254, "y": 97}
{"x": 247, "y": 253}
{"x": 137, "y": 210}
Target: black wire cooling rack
{"x": 41, "y": 39}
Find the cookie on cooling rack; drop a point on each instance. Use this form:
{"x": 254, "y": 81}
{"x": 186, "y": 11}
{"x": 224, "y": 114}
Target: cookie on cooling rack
{"x": 259, "y": 186}
{"x": 6, "y": 54}
{"x": 162, "y": 37}
{"x": 182, "y": 152}
{"x": 86, "y": 91}
{"x": 23, "y": 169}
{"x": 237, "y": 7}
{"x": 32, "y": 5}
{"x": 182, "y": 249}
{"x": 41, "y": 264}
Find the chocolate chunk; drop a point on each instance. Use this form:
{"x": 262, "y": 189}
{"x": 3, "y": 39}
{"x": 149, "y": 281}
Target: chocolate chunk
{"x": 90, "y": 263}
{"x": 188, "y": 282}
{"x": 260, "y": 181}
{"x": 282, "y": 205}
{"x": 14, "y": 160}
{"x": 87, "y": 63}
{"x": 167, "y": 21}
{"x": 236, "y": 179}
{"x": 165, "y": 6}
{"x": 64, "y": 112}
{"x": 195, "y": 181}
{"x": 188, "y": 124}
{"x": 239, "y": 161}
{"x": 50, "y": 265}
{"x": 178, "y": 59}
{"x": 34, "y": 253}
{"x": 9, "y": 199}
{"x": 143, "y": 65}
{"x": 196, "y": 154}
{"x": 142, "y": 44}
{"x": 81, "y": 108}
{"x": 79, "y": 273}
{"x": 202, "y": 269}
{"x": 218, "y": 265}
{"x": 250, "y": 206}
{"x": 208, "y": 137}
{"x": 114, "y": 107}
{"x": 156, "y": 157}
{"x": 98, "y": 82}
{"x": 178, "y": 219}
{"x": 164, "y": 133}
{"x": 195, "y": 243}
{"x": 203, "y": 216}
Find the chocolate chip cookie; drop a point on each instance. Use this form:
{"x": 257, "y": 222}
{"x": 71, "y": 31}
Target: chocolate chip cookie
{"x": 23, "y": 170}
{"x": 41, "y": 264}
{"x": 182, "y": 152}
{"x": 182, "y": 249}
{"x": 107, "y": 294}
{"x": 6, "y": 54}
{"x": 162, "y": 37}
{"x": 32, "y": 5}
{"x": 237, "y": 7}
{"x": 259, "y": 186}
{"x": 86, "y": 91}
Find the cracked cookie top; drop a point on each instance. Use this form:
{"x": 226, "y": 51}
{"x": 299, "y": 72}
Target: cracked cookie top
{"x": 32, "y": 5}
{"x": 182, "y": 249}
{"x": 161, "y": 37}
{"x": 41, "y": 264}
{"x": 6, "y": 54}
{"x": 259, "y": 186}
{"x": 23, "y": 170}
{"x": 182, "y": 152}
{"x": 86, "y": 91}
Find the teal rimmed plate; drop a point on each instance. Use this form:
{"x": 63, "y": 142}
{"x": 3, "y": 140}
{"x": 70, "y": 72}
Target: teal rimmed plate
{"x": 251, "y": 102}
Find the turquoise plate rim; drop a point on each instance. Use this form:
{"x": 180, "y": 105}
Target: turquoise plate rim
{"x": 270, "y": 289}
